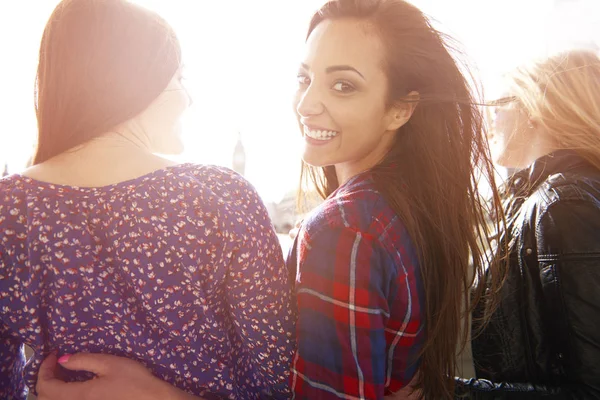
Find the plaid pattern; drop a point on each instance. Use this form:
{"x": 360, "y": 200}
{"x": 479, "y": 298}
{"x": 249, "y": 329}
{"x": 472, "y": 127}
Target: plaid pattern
{"x": 359, "y": 298}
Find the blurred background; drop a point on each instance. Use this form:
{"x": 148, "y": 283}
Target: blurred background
{"x": 241, "y": 61}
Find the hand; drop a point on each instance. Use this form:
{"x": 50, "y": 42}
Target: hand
{"x": 117, "y": 378}
{"x": 406, "y": 393}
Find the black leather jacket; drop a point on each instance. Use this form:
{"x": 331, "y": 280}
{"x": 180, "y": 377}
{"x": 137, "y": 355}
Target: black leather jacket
{"x": 544, "y": 339}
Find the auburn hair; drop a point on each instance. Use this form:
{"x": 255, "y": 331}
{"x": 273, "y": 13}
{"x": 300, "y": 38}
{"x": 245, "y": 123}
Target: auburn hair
{"x": 430, "y": 177}
{"x": 101, "y": 63}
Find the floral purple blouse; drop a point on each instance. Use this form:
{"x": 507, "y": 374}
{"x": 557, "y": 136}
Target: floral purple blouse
{"x": 179, "y": 269}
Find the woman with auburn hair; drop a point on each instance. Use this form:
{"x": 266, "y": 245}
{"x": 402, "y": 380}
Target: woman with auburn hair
{"x": 394, "y": 141}
{"x": 108, "y": 248}
{"x": 544, "y": 338}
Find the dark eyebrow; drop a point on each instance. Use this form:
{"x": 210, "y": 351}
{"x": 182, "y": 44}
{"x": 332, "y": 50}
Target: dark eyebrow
{"x": 335, "y": 68}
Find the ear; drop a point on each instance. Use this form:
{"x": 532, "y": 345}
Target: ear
{"x": 401, "y": 111}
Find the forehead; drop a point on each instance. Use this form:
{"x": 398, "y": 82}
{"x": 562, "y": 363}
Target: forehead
{"x": 344, "y": 42}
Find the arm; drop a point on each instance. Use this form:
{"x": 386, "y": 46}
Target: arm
{"x": 117, "y": 378}
{"x": 344, "y": 326}
{"x": 568, "y": 249}
{"x": 259, "y": 298}
{"x": 12, "y": 362}
{"x": 482, "y": 389}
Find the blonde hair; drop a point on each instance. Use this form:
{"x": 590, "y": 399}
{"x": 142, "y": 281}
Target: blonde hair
{"x": 562, "y": 95}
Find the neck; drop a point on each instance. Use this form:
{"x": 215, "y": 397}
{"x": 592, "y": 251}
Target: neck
{"x": 347, "y": 170}
{"x": 344, "y": 174}
{"x": 541, "y": 144}
{"x": 111, "y": 158}
{"x": 110, "y": 148}
{"x": 121, "y": 139}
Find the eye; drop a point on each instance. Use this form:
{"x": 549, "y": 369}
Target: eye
{"x": 343, "y": 87}
{"x": 303, "y": 80}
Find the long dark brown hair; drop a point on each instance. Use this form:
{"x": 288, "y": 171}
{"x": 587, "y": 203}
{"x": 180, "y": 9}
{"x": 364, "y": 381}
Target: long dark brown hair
{"x": 430, "y": 176}
{"x": 101, "y": 63}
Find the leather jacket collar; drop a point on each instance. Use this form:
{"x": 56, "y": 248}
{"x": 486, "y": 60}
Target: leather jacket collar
{"x": 525, "y": 181}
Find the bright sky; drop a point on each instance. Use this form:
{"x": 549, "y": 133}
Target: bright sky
{"x": 241, "y": 59}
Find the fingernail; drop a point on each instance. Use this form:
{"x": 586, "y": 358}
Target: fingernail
{"x": 64, "y": 359}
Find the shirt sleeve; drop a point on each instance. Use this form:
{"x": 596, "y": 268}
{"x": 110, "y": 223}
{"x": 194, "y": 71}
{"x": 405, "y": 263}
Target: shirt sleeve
{"x": 259, "y": 297}
{"x": 358, "y": 318}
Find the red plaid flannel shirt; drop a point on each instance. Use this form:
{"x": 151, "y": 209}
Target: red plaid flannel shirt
{"x": 360, "y": 297}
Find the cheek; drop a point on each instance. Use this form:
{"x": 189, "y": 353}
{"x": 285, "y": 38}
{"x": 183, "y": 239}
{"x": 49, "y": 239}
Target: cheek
{"x": 350, "y": 114}
{"x": 181, "y": 104}
{"x": 361, "y": 124}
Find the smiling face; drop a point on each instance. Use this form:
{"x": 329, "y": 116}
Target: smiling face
{"x": 342, "y": 99}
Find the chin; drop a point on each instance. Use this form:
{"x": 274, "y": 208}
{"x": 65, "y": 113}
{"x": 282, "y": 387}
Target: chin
{"x": 314, "y": 161}
{"x": 510, "y": 163}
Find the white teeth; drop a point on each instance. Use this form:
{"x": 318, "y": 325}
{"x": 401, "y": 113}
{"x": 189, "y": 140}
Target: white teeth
{"x": 318, "y": 134}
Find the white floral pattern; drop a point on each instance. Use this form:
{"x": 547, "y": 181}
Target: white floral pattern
{"x": 179, "y": 269}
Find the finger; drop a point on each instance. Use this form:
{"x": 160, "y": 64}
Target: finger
{"x": 408, "y": 392}
{"x": 54, "y": 389}
{"x": 49, "y": 387}
{"x": 99, "y": 364}
{"x": 48, "y": 367}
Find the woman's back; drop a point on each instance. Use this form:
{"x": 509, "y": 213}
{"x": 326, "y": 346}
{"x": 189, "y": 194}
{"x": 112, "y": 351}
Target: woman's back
{"x": 178, "y": 268}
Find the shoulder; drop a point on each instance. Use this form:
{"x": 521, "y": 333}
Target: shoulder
{"x": 13, "y": 194}
{"x": 235, "y": 200}
{"x": 220, "y": 184}
{"x": 580, "y": 184}
{"x": 213, "y": 177}
{"x": 358, "y": 209}
{"x": 564, "y": 212}
{"x": 12, "y": 183}
{"x": 352, "y": 208}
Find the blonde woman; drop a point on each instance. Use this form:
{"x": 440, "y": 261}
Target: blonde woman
{"x": 544, "y": 339}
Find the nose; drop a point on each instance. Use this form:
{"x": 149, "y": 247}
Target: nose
{"x": 309, "y": 102}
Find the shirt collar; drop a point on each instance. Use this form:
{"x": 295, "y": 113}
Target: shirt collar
{"x": 557, "y": 162}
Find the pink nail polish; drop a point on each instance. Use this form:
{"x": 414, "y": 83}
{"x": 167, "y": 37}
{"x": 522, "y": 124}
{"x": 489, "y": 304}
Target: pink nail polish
{"x": 64, "y": 359}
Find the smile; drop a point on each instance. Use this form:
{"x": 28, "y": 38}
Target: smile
{"x": 318, "y": 134}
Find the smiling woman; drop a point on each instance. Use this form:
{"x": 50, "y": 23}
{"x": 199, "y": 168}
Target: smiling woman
{"x": 232, "y": 95}
{"x": 394, "y": 143}
{"x": 346, "y": 108}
